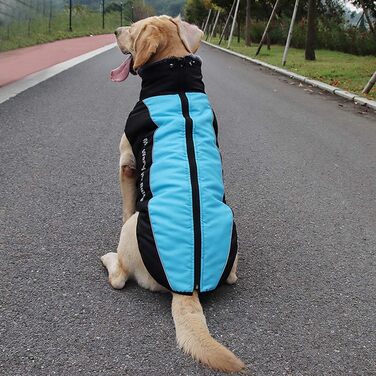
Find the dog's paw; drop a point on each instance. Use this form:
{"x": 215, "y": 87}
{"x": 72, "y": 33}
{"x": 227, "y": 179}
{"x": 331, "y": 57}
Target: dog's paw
{"x": 108, "y": 259}
{"x": 232, "y": 278}
{"x": 117, "y": 276}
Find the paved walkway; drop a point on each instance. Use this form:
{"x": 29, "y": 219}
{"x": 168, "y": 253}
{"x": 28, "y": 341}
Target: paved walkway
{"x": 19, "y": 63}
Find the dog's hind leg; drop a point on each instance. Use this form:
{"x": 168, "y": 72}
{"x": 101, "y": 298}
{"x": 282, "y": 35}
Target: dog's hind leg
{"x": 232, "y": 277}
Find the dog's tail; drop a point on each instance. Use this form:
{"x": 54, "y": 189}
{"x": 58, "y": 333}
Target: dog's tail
{"x": 193, "y": 336}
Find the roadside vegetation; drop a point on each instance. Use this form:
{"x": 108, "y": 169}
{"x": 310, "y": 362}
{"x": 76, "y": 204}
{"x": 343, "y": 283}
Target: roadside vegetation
{"x": 24, "y": 33}
{"x": 339, "y": 69}
{"x": 23, "y": 26}
{"x": 330, "y": 41}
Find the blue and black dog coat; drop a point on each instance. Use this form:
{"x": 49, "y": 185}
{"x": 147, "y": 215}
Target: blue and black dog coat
{"x": 185, "y": 231}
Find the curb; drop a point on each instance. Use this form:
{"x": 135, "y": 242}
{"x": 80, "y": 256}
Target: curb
{"x": 17, "y": 87}
{"x": 321, "y": 85}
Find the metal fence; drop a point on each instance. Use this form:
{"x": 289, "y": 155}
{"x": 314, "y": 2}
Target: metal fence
{"x": 27, "y": 22}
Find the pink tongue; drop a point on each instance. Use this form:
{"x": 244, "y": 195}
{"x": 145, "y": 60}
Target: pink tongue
{"x": 121, "y": 73}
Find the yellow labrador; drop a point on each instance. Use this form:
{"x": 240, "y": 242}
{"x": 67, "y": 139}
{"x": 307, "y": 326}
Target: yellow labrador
{"x": 158, "y": 48}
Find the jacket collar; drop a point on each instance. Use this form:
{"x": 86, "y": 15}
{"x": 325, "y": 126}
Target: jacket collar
{"x": 170, "y": 76}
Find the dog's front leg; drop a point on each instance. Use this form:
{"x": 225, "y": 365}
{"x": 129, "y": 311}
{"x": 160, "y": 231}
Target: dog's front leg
{"x": 127, "y": 175}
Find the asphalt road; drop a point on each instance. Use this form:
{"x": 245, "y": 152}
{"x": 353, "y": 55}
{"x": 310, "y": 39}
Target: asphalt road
{"x": 300, "y": 174}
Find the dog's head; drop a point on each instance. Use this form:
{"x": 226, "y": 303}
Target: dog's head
{"x": 153, "y": 39}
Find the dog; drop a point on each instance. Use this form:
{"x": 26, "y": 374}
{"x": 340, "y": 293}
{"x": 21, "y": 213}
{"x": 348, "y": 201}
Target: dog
{"x": 178, "y": 234}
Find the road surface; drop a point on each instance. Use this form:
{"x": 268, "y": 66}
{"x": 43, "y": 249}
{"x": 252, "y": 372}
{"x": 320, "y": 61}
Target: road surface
{"x": 300, "y": 174}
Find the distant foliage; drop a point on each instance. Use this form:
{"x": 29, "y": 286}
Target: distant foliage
{"x": 333, "y": 33}
{"x": 195, "y": 11}
{"x": 139, "y": 11}
{"x": 42, "y": 29}
{"x": 169, "y": 7}
{"x": 330, "y": 36}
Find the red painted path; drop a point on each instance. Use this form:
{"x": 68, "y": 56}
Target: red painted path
{"x": 19, "y": 63}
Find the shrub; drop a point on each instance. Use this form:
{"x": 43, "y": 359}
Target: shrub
{"x": 330, "y": 36}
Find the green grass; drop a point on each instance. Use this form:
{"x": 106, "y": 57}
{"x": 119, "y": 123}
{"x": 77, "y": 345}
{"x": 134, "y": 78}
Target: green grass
{"x": 348, "y": 72}
{"x": 86, "y": 22}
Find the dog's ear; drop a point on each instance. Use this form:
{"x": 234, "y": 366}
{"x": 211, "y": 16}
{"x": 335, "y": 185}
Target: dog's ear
{"x": 145, "y": 45}
{"x": 189, "y": 34}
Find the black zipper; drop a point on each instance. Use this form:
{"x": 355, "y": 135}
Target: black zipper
{"x": 195, "y": 189}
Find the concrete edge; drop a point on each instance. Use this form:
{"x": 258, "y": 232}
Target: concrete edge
{"x": 17, "y": 87}
{"x": 321, "y": 85}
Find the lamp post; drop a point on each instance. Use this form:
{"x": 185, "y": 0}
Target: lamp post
{"x": 50, "y": 17}
{"x": 70, "y": 15}
{"x": 130, "y": 4}
{"x": 121, "y": 14}
{"x": 102, "y": 14}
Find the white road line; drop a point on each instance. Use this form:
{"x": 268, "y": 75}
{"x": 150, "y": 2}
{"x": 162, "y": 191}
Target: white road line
{"x": 33, "y": 79}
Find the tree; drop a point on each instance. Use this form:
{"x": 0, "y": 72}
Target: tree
{"x": 369, "y": 8}
{"x": 195, "y": 11}
{"x": 369, "y": 4}
{"x": 365, "y": 11}
{"x": 311, "y": 31}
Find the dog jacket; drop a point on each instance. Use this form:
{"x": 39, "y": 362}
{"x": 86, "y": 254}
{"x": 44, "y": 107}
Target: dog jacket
{"x": 185, "y": 231}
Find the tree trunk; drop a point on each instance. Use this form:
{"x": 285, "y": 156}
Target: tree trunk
{"x": 311, "y": 31}
{"x": 248, "y": 23}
